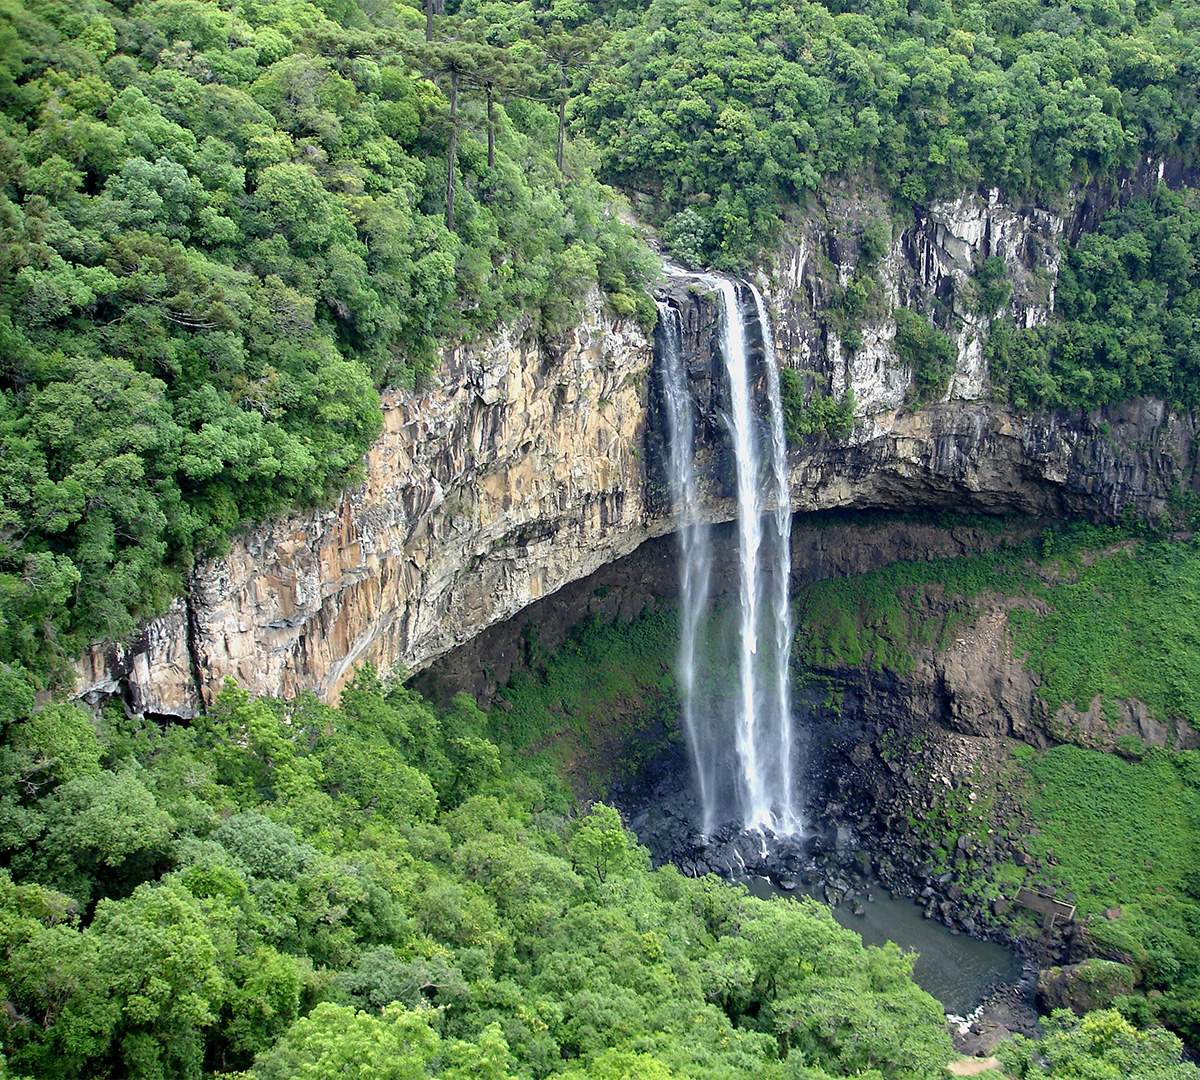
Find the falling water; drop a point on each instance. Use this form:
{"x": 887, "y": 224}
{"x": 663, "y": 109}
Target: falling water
{"x": 780, "y": 615}
{"x": 755, "y": 798}
{"x": 759, "y": 710}
{"x": 695, "y": 555}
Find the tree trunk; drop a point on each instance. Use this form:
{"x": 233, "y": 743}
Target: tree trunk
{"x": 428, "y": 20}
{"x": 441, "y": 6}
{"x": 491, "y": 124}
{"x": 452, "y": 151}
{"x": 562, "y": 127}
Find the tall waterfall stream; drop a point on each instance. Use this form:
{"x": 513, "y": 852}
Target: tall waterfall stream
{"x": 756, "y": 720}
{"x": 736, "y": 708}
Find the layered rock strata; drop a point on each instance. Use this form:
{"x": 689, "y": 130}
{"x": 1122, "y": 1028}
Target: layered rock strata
{"x": 529, "y": 464}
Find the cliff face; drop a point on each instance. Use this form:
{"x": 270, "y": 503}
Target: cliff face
{"x": 929, "y": 267}
{"x": 529, "y": 465}
{"x": 517, "y": 472}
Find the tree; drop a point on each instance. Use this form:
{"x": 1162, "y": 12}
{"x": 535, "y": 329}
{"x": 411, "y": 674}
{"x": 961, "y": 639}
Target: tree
{"x": 599, "y": 843}
{"x": 335, "y": 1042}
{"x": 1099, "y": 1046}
{"x": 569, "y": 53}
{"x": 457, "y": 62}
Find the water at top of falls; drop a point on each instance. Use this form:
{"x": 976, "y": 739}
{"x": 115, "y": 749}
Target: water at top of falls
{"x": 695, "y": 554}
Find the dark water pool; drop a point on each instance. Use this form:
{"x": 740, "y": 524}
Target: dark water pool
{"x": 958, "y": 970}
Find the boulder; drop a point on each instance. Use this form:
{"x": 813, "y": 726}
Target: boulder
{"x": 1092, "y": 984}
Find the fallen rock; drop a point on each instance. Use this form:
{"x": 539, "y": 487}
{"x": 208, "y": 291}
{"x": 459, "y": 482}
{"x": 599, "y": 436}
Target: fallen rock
{"x": 1092, "y": 984}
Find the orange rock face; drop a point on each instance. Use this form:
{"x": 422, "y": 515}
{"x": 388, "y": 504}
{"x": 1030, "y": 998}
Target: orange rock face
{"x": 519, "y": 471}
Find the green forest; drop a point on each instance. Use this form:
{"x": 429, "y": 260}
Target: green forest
{"x": 224, "y": 228}
{"x": 376, "y": 890}
{"x": 724, "y": 112}
{"x": 227, "y": 227}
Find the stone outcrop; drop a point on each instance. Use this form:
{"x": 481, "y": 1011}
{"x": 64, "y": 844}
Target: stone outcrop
{"x": 929, "y": 267}
{"x": 1083, "y": 987}
{"x": 517, "y": 472}
{"x": 528, "y": 465}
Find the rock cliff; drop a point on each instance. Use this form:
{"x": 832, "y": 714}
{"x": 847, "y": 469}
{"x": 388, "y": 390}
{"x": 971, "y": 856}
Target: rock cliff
{"x": 529, "y": 464}
{"x": 518, "y": 471}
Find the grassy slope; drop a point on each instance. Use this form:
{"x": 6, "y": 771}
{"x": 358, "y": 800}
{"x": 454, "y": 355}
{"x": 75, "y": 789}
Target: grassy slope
{"x": 1116, "y": 827}
{"x": 1115, "y": 617}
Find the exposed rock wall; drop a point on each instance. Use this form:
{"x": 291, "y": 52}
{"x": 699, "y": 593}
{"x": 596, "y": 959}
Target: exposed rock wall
{"x": 519, "y": 471}
{"x": 529, "y": 465}
{"x": 928, "y": 267}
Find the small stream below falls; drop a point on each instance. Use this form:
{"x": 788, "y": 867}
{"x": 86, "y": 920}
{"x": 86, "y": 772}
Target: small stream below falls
{"x": 960, "y": 971}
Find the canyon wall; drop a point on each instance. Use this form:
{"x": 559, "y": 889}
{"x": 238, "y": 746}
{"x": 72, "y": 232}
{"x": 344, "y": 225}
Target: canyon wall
{"x": 529, "y": 464}
{"x": 518, "y": 471}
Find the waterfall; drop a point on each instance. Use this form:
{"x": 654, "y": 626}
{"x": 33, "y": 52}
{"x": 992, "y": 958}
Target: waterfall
{"x": 755, "y": 804}
{"x": 779, "y": 495}
{"x": 695, "y": 555}
{"x": 756, "y": 781}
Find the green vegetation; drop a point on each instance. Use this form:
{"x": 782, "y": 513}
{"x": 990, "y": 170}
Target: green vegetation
{"x": 1115, "y": 617}
{"x": 1123, "y": 838}
{"x": 580, "y": 707}
{"x": 223, "y": 227}
{"x": 304, "y": 891}
{"x": 1105, "y": 615}
{"x": 815, "y": 414}
{"x": 725, "y": 112}
{"x": 927, "y": 351}
{"x": 1099, "y": 1046}
{"x": 1127, "y": 300}
{"x": 992, "y": 288}
{"x": 884, "y": 617}
{"x": 860, "y": 297}
{"x": 1120, "y": 626}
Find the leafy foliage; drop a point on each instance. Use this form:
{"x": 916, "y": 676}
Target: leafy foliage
{"x": 726, "y": 112}
{"x": 927, "y": 351}
{"x": 1108, "y": 617}
{"x": 1121, "y": 627}
{"x": 883, "y": 617}
{"x": 223, "y": 228}
{"x": 609, "y": 679}
{"x": 1115, "y": 618}
{"x": 815, "y": 414}
{"x": 304, "y": 891}
{"x": 1128, "y": 298}
{"x": 1125, "y": 838}
{"x": 1099, "y": 1046}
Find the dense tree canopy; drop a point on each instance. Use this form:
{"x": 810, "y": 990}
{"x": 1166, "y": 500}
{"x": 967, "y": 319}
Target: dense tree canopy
{"x": 223, "y": 227}
{"x": 1128, "y": 306}
{"x": 726, "y": 111}
{"x": 316, "y": 892}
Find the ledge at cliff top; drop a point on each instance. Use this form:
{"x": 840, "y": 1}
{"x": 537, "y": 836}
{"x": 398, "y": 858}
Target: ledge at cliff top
{"x": 529, "y": 465}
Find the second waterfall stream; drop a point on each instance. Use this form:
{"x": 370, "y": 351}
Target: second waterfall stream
{"x": 740, "y": 736}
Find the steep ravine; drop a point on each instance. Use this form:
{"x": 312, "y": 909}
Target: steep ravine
{"x": 530, "y": 464}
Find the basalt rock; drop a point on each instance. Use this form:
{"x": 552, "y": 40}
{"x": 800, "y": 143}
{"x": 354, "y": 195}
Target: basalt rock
{"x": 530, "y": 464}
